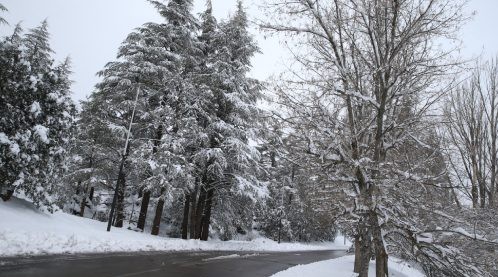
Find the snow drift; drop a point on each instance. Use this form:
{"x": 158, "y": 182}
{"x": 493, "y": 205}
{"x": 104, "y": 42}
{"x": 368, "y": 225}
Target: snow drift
{"x": 27, "y": 231}
{"x": 343, "y": 267}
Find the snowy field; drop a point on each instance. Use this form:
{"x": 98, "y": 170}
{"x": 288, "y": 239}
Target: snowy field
{"x": 343, "y": 267}
{"x": 26, "y": 231}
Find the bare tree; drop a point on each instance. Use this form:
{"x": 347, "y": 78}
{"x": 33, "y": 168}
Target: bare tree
{"x": 472, "y": 114}
{"x": 467, "y": 132}
{"x": 489, "y": 95}
{"x": 365, "y": 79}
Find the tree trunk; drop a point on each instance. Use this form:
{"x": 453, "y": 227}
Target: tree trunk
{"x": 482, "y": 191}
{"x": 357, "y": 254}
{"x": 381, "y": 264}
{"x": 193, "y": 200}
{"x": 159, "y": 213}
{"x": 279, "y": 228}
{"x": 199, "y": 212}
{"x": 112, "y": 214}
{"x": 144, "y": 207}
{"x": 186, "y": 207}
{"x": 83, "y": 205}
{"x": 474, "y": 196}
{"x": 474, "y": 181}
{"x": 455, "y": 198}
{"x": 365, "y": 246}
{"x": 381, "y": 257}
{"x": 144, "y": 192}
{"x": 491, "y": 194}
{"x": 120, "y": 204}
{"x": 92, "y": 191}
{"x": 207, "y": 215}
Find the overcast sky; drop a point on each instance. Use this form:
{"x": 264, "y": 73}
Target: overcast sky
{"x": 90, "y": 31}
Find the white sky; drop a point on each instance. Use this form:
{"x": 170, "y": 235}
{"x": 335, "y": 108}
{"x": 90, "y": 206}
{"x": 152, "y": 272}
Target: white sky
{"x": 90, "y": 31}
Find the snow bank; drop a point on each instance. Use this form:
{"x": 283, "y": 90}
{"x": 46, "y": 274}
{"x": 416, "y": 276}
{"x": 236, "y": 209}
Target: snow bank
{"x": 233, "y": 256}
{"x": 343, "y": 267}
{"x": 26, "y": 231}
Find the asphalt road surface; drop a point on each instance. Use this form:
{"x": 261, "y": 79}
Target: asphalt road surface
{"x": 161, "y": 264}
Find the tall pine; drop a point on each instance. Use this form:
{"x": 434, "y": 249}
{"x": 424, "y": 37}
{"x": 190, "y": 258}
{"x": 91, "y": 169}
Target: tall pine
{"x": 226, "y": 162}
{"x": 155, "y": 59}
{"x": 36, "y": 116}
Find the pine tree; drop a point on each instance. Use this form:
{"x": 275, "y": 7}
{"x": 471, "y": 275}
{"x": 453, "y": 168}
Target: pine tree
{"x": 225, "y": 162}
{"x": 89, "y": 165}
{"x": 178, "y": 91}
{"x": 38, "y": 120}
{"x": 157, "y": 59}
{"x": 13, "y": 110}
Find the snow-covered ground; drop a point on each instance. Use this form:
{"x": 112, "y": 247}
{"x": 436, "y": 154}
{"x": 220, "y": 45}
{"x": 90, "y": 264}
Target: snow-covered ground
{"x": 26, "y": 231}
{"x": 343, "y": 267}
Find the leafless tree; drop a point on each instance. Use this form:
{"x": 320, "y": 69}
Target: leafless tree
{"x": 472, "y": 117}
{"x": 365, "y": 78}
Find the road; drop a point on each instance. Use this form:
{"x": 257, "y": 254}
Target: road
{"x": 161, "y": 264}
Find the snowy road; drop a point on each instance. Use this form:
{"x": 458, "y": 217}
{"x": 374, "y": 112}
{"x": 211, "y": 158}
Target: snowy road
{"x": 177, "y": 264}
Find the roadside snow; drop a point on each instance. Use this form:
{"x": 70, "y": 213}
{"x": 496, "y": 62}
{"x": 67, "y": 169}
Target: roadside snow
{"x": 343, "y": 267}
{"x": 26, "y": 231}
{"x": 233, "y": 256}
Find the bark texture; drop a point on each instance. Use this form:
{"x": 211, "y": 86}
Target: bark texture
{"x": 144, "y": 207}
{"x": 186, "y": 208}
{"x": 159, "y": 213}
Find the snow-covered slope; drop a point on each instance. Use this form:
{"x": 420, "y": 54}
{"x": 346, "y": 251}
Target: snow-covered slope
{"x": 24, "y": 230}
{"x": 343, "y": 267}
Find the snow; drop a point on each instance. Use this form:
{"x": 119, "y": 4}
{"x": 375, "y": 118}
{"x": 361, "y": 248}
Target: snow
{"x": 343, "y": 267}
{"x": 34, "y": 82}
{"x": 233, "y": 256}
{"x": 42, "y": 133}
{"x": 35, "y": 109}
{"x": 462, "y": 231}
{"x": 27, "y": 231}
{"x": 4, "y": 139}
{"x": 13, "y": 147}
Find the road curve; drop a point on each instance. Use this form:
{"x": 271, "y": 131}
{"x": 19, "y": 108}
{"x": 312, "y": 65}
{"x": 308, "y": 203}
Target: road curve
{"x": 161, "y": 264}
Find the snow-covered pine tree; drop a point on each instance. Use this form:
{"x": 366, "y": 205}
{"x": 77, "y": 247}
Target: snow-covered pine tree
{"x": 194, "y": 110}
{"x": 36, "y": 116}
{"x": 157, "y": 58}
{"x": 226, "y": 162}
{"x": 238, "y": 118}
{"x": 13, "y": 73}
{"x": 90, "y": 164}
{"x": 180, "y": 98}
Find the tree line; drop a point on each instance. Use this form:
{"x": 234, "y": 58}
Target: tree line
{"x": 381, "y": 116}
{"x": 371, "y": 131}
{"x": 173, "y": 126}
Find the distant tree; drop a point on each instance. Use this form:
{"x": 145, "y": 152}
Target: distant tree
{"x": 299, "y": 206}
{"x": 91, "y": 162}
{"x": 472, "y": 121}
